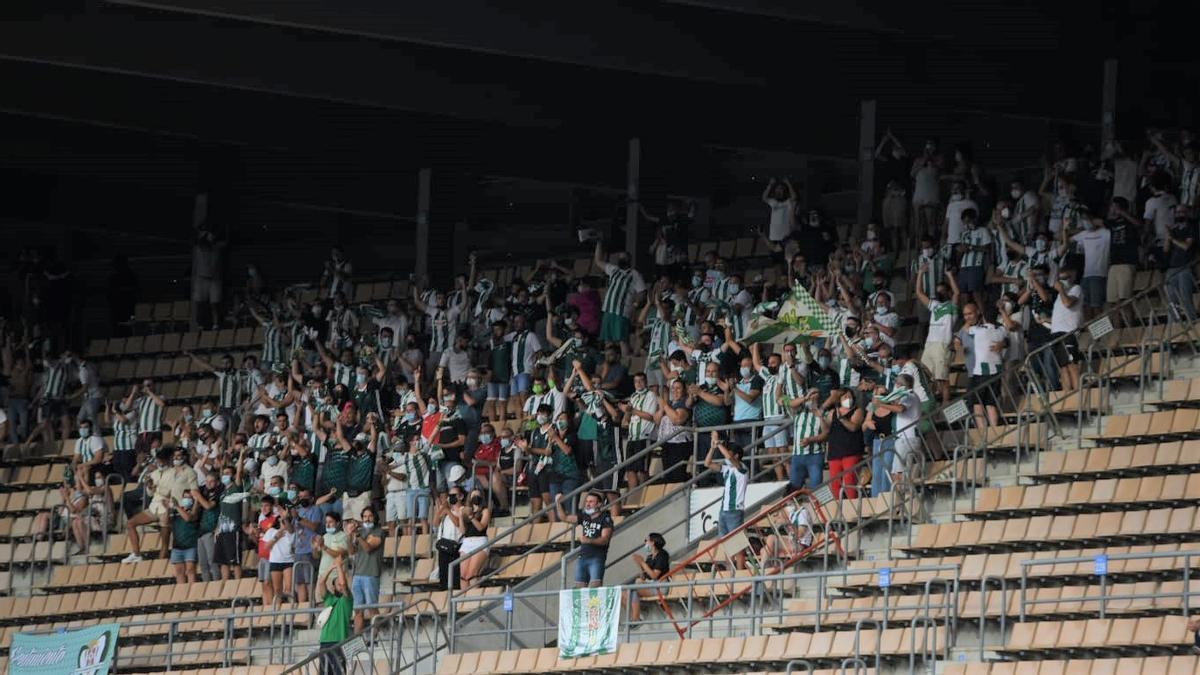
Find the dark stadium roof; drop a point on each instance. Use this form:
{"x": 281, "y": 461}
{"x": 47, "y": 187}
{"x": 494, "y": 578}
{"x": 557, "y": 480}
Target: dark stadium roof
{"x": 354, "y": 91}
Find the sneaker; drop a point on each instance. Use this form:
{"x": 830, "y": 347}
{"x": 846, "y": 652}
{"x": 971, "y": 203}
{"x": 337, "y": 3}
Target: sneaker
{"x": 132, "y": 558}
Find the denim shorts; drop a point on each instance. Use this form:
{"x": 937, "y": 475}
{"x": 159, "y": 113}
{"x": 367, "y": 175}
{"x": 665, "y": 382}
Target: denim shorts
{"x": 521, "y": 383}
{"x": 588, "y": 570}
{"x": 365, "y": 590}
{"x": 728, "y": 521}
{"x": 779, "y": 440}
{"x": 497, "y": 391}
{"x": 183, "y": 555}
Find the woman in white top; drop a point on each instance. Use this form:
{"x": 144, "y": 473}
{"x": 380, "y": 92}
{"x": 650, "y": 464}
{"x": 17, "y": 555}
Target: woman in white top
{"x": 671, "y": 420}
{"x": 476, "y": 517}
{"x": 449, "y": 517}
{"x": 280, "y": 542}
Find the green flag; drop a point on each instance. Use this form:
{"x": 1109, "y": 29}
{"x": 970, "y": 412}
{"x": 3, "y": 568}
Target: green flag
{"x": 797, "y": 317}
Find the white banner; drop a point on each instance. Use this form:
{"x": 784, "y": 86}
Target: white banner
{"x": 587, "y": 621}
{"x": 705, "y": 505}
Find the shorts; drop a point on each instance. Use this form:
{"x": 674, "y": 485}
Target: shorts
{"x": 539, "y": 483}
{"x": 90, "y": 410}
{"x": 520, "y": 384}
{"x": 206, "y": 290}
{"x": 614, "y": 328}
{"x": 906, "y": 445}
{"x": 1120, "y": 283}
{"x": 728, "y": 521}
{"x": 497, "y": 391}
{"x": 1095, "y": 291}
{"x": 352, "y": 507}
{"x": 984, "y": 395}
{"x": 227, "y": 549}
{"x": 1066, "y": 350}
{"x": 53, "y": 409}
{"x": 936, "y": 357}
{"x": 588, "y": 570}
{"x": 632, "y": 448}
{"x": 776, "y": 440}
{"x": 365, "y": 590}
{"x": 970, "y": 279}
{"x": 302, "y": 571}
{"x": 281, "y": 566}
{"x": 264, "y": 570}
{"x": 405, "y": 504}
{"x": 183, "y": 555}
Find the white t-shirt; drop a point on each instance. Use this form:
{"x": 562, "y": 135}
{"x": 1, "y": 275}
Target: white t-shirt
{"x": 987, "y": 361}
{"x": 954, "y": 218}
{"x": 1067, "y": 319}
{"x": 282, "y": 551}
{"x": 781, "y": 218}
{"x": 941, "y": 322}
{"x": 1161, "y": 209}
{"x": 1095, "y": 245}
{"x": 906, "y": 420}
{"x": 891, "y": 320}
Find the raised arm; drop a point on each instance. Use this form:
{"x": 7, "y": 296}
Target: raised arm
{"x": 202, "y": 363}
{"x": 598, "y": 256}
{"x": 920, "y": 285}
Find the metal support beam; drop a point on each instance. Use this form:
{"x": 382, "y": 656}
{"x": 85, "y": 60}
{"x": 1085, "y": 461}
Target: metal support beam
{"x": 1108, "y": 109}
{"x": 866, "y": 164}
{"x": 424, "y": 181}
{"x": 633, "y": 172}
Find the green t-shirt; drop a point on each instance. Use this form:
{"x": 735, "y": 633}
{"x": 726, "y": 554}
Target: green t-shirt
{"x": 337, "y": 468}
{"x": 362, "y": 468}
{"x": 304, "y": 472}
{"x": 337, "y": 628}
{"x": 564, "y": 465}
{"x": 185, "y": 532}
{"x": 708, "y": 414}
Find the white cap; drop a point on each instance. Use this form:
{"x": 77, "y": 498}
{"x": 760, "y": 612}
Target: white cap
{"x": 457, "y": 474}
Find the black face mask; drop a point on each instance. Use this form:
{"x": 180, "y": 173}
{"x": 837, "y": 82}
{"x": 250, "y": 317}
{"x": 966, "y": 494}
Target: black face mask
{"x": 851, "y": 331}
{"x": 453, "y": 499}
{"x": 305, "y": 502}
{"x": 477, "y": 500}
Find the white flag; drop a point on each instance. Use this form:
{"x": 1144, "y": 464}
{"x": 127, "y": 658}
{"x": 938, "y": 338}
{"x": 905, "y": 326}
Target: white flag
{"x": 587, "y": 621}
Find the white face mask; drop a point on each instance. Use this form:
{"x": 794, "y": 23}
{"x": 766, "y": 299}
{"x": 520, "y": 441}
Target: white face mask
{"x": 847, "y": 402}
{"x": 927, "y": 252}
{"x": 1004, "y": 213}
{"x": 1016, "y": 194}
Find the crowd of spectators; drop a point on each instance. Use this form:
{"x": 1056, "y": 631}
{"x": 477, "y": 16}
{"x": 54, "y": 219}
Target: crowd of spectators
{"x": 430, "y": 414}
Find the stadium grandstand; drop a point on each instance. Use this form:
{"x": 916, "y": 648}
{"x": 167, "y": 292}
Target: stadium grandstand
{"x": 473, "y": 337}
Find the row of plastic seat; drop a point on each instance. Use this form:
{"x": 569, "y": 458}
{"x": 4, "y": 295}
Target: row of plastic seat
{"x": 1119, "y": 460}
{"x": 1085, "y": 636}
{"x": 1061, "y": 531}
{"x": 1084, "y": 495}
{"x": 124, "y": 601}
{"x": 1163, "y": 597}
{"x": 756, "y": 651}
{"x": 1130, "y": 665}
{"x": 974, "y": 567}
{"x": 1165, "y": 425}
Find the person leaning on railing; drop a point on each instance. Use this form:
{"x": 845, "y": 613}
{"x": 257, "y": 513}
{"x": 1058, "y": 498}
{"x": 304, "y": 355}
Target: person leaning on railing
{"x": 596, "y": 530}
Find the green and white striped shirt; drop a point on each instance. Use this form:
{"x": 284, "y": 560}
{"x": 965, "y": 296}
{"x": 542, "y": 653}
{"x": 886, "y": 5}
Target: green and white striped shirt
{"x": 936, "y": 271}
{"x": 806, "y": 423}
{"x": 229, "y": 388}
{"x": 977, "y": 236}
{"x": 124, "y": 434}
{"x": 441, "y": 328}
{"x": 150, "y": 415}
{"x": 660, "y": 338}
{"x": 343, "y": 373}
{"x": 261, "y": 441}
{"x": 733, "y": 497}
{"x": 1015, "y": 269}
{"x": 272, "y": 349}
{"x": 416, "y": 467}
{"x": 644, "y": 401}
{"x": 772, "y": 406}
{"x": 55, "y": 379}
{"x": 622, "y": 284}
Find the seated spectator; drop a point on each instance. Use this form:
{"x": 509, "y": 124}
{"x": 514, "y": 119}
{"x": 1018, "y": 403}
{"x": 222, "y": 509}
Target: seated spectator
{"x": 652, "y": 562}
{"x": 796, "y": 539}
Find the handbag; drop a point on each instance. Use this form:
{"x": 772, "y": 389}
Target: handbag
{"x": 323, "y": 617}
{"x": 447, "y": 546}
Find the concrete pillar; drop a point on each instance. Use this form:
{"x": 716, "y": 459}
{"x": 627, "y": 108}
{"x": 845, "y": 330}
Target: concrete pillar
{"x": 633, "y": 173}
{"x": 424, "y": 182}
{"x": 1108, "y": 109}
{"x": 866, "y": 164}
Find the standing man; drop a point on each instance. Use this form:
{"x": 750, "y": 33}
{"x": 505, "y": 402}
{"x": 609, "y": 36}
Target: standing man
{"x": 735, "y": 479}
{"x": 624, "y": 285}
{"x": 1178, "y": 246}
{"x": 975, "y": 248}
{"x": 943, "y": 308}
{"x": 1096, "y": 242}
{"x": 596, "y": 527}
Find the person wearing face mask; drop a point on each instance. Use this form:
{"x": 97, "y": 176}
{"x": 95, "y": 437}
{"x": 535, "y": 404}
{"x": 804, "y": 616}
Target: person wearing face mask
{"x": 975, "y": 254}
{"x": 185, "y": 516}
{"x": 450, "y": 439}
{"x": 653, "y": 561}
{"x": 90, "y": 453}
{"x": 500, "y": 365}
{"x": 441, "y": 321}
{"x": 228, "y": 540}
{"x": 395, "y": 321}
{"x": 456, "y": 360}
{"x": 365, "y": 391}
{"x": 561, "y": 448}
{"x": 943, "y": 312}
{"x": 366, "y": 539}
{"x": 780, "y": 383}
{"x": 1066, "y": 317}
{"x": 509, "y": 464}
{"x": 809, "y": 433}
{"x": 624, "y": 285}
{"x": 476, "y": 517}
{"x": 1096, "y": 242}
{"x": 170, "y": 482}
{"x": 595, "y": 533}
{"x": 1025, "y": 212}
{"x": 543, "y": 394}
{"x": 937, "y": 259}
{"x": 710, "y": 403}
{"x": 208, "y": 497}
{"x": 329, "y": 545}
{"x": 409, "y": 478}
{"x": 1179, "y": 249}
{"x": 672, "y": 421}
{"x": 449, "y": 517}
{"x": 747, "y": 393}
{"x": 639, "y": 411}
{"x": 845, "y": 444}
{"x": 486, "y": 455}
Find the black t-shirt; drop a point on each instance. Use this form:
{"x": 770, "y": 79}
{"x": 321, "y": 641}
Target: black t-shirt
{"x": 448, "y": 432}
{"x": 1123, "y": 249}
{"x": 660, "y": 562}
{"x": 592, "y": 527}
{"x": 1179, "y": 257}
